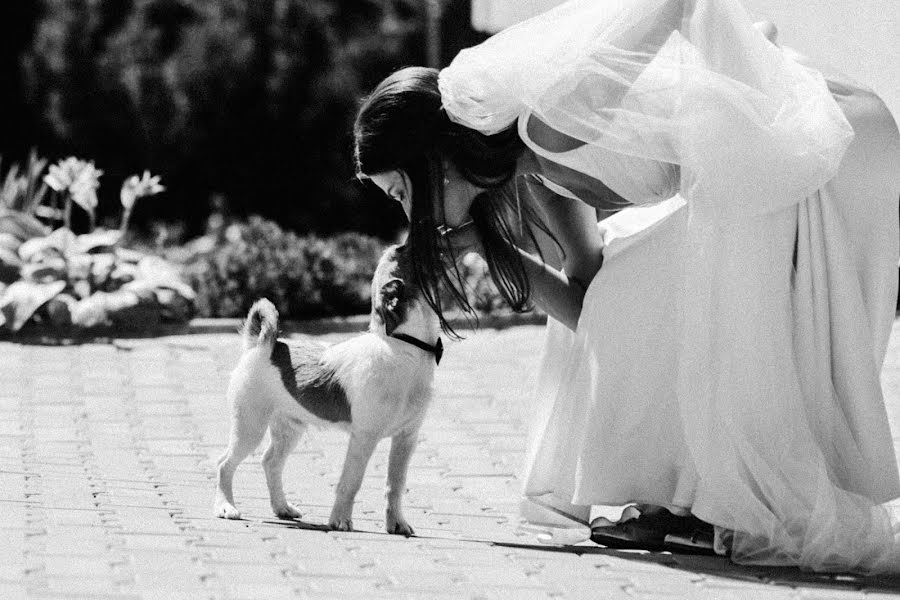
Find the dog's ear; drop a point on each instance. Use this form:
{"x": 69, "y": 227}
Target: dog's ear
{"x": 390, "y": 305}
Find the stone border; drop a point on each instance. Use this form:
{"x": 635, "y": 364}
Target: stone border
{"x": 355, "y": 323}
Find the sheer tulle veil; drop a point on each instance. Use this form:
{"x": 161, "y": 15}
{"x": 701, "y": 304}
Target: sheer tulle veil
{"x": 753, "y": 133}
{"x": 661, "y": 79}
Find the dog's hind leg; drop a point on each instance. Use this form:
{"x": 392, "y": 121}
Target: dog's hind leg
{"x": 247, "y": 430}
{"x": 402, "y": 446}
{"x": 284, "y": 436}
{"x": 359, "y": 451}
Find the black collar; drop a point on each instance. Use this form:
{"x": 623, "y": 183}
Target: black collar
{"x": 437, "y": 349}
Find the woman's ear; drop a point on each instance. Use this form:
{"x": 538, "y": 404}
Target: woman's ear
{"x": 390, "y": 305}
{"x": 404, "y": 183}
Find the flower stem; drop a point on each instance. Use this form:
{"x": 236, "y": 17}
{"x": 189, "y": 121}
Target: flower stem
{"x": 123, "y": 227}
{"x": 67, "y": 213}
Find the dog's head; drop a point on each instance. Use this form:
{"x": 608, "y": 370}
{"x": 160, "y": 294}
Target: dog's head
{"x": 396, "y": 299}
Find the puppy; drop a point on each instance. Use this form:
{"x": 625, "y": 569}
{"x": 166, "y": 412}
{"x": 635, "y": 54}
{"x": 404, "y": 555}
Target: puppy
{"x": 375, "y": 385}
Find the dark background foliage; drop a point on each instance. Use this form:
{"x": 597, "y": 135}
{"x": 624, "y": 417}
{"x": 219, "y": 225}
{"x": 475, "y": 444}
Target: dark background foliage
{"x": 241, "y": 105}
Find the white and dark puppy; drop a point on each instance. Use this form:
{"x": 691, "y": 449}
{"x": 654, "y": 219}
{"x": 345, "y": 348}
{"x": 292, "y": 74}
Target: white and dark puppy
{"x": 374, "y": 385}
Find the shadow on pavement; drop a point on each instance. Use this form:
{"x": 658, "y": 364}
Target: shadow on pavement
{"x": 713, "y": 566}
{"x": 722, "y": 567}
{"x": 298, "y": 524}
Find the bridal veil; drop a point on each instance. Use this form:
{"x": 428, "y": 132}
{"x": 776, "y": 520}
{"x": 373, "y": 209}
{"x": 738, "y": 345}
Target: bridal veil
{"x": 775, "y": 319}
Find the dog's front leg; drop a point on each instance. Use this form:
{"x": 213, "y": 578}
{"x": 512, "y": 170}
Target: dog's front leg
{"x": 402, "y": 447}
{"x": 359, "y": 451}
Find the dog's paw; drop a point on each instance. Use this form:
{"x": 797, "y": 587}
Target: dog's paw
{"x": 287, "y": 511}
{"x": 341, "y": 518}
{"x": 224, "y": 510}
{"x": 395, "y": 523}
{"x": 341, "y": 524}
{"x": 399, "y": 527}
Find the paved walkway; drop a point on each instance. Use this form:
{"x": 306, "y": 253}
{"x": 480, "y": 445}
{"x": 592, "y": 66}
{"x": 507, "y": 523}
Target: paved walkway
{"x": 106, "y": 484}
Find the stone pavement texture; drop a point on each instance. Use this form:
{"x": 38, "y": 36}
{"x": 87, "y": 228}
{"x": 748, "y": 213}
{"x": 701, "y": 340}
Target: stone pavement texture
{"x": 106, "y": 484}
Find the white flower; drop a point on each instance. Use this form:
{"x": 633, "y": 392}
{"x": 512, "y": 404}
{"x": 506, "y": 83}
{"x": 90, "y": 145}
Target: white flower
{"x": 139, "y": 187}
{"x": 233, "y": 234}
{"x": 58, "y": 177}
{"x": 79, "y": 178}
{"x": 62, "y": 174}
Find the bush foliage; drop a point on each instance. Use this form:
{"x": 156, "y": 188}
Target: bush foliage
{"x": 304, "y": 276}
{"x": 249, "y": 100}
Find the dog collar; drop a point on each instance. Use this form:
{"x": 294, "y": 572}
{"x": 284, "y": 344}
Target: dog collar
{"x": 437, "y": 349}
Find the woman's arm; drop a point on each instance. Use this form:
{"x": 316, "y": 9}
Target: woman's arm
{"x": 574, "y": 225}
{"x": 559, "y": 296}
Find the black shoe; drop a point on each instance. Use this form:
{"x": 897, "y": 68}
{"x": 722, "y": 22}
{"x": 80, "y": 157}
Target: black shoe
{"x": 659, "y": 531}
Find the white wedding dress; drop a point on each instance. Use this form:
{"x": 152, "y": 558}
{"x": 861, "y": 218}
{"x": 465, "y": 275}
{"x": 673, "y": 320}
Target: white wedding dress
{"x": 727, "y": 359}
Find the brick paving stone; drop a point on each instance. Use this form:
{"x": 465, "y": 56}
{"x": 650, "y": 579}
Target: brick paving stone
{"x": 351, "y": 585}
{"x": 607, "y": 591}
{"x": 13, "y": 590}
{"x": 170, "y": 592}
{"x": 824, "y": 594}
{"x": 240, "y": 590}
{"x": 107, "y": 475}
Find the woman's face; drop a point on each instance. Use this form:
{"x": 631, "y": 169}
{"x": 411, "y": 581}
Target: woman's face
{"x": 458, "y": 194}
{"x": 397, "y": 186}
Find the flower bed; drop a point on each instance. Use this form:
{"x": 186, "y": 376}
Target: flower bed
{"x": 67, "y": 284}
{"x": 72, "y": 283}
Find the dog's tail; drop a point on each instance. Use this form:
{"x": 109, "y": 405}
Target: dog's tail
{"x": 261, "y": 326}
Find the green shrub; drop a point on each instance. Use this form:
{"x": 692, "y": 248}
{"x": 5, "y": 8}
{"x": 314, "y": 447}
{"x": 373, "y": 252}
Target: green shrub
{"x": 304, "y": 277}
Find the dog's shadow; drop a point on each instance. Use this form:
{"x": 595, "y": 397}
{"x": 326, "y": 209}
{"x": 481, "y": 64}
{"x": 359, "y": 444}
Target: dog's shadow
{"x": 298, "y": 524}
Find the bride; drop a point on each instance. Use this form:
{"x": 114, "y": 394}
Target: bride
{"x": 714, "y": 348}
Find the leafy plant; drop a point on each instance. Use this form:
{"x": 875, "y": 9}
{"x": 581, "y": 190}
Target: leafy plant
{"x": 82, "y": 281}
{"x": 304, "y": 276}
{"x": 24, "y": 191}
{"x": 20, "y": 195}
{"x": 85, "y": 281}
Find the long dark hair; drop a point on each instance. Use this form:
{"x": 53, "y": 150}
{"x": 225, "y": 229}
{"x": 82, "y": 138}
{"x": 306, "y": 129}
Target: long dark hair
{"x": 402, "y": 126}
